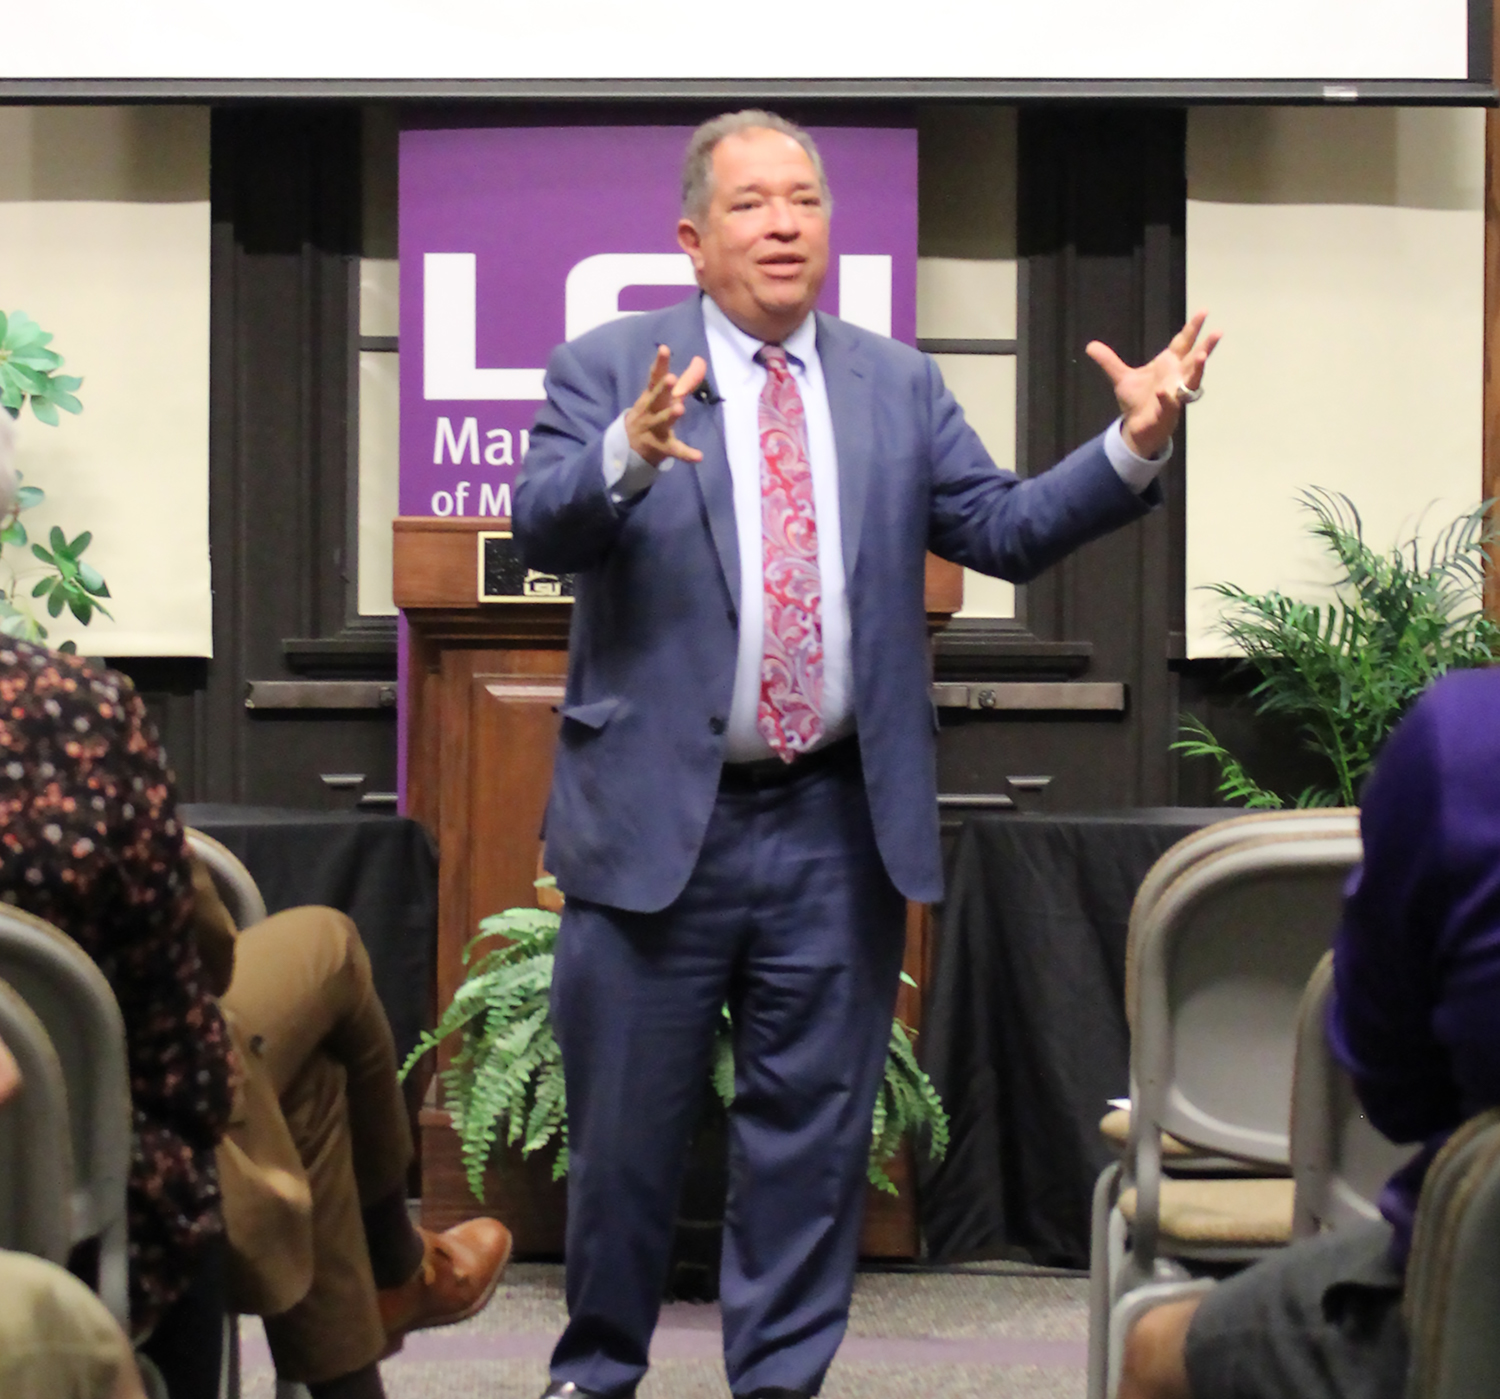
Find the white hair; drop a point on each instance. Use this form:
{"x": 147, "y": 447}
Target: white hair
{"x": 10, "y": 481}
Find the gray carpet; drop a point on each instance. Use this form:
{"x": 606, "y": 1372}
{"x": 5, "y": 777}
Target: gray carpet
{"x": 985, "y": 1331}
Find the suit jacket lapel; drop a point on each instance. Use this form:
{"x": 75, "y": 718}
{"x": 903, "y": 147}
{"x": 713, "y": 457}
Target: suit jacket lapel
{"x": 850, "y": 404}
{"x": 702, "y": 426}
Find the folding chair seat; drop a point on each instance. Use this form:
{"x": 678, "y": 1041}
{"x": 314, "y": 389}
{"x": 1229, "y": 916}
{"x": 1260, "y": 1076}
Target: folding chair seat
{"x": 1452, "y": 1294}
{"x": 235, "y": 884}
{"x": 1114, "y": 1127}
{"x": 71, "y": 998}
{"x": 36, "y": 1148}
{"x": 1218, "y": 965}
{"x": 1218, "y": 1219}
{"x": 1340, "y": 1162}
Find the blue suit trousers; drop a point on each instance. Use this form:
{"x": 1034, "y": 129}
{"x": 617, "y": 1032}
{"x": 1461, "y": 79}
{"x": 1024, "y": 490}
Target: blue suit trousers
{"x": 790, "y": 920}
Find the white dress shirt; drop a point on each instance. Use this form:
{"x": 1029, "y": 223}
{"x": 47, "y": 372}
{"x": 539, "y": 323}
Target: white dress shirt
{"x": 739, "y": 380}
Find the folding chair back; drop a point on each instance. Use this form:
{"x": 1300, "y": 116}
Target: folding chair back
{"x": 71, "y": 998}
{"x": 1453, "y": 1275}
{"x": 1222, "y": 835}
{"x": 36, "y": 1150}
{"x": 235, "y": 884}
{"x": 1222, "y": 964}
{"x": 1340, "y": 1163}
{"x": 1187, "y": 852}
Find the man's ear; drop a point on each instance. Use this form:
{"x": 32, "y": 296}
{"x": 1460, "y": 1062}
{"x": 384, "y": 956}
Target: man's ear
{"x": 690, "y": 243}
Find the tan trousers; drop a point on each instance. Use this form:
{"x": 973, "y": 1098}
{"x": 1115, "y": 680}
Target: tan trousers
{"x": 303, "y": 995}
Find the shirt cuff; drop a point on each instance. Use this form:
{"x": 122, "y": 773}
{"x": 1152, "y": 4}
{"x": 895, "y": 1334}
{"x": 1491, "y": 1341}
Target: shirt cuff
{"x": 627, "y": 473}
{"x": 1136, "y": 472}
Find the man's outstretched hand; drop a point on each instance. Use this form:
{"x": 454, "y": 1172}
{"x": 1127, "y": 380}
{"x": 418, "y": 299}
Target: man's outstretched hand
{"x": 1151, "y": 397}
{"x": 650, "y": 422}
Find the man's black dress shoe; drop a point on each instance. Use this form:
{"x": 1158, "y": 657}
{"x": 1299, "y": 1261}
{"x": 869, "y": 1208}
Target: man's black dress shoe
{"x": 566, "y": 1389}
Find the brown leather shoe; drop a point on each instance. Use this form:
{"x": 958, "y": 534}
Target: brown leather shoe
{"x": 461, "y": 1268}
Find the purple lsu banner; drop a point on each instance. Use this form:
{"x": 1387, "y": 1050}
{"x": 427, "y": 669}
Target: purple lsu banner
{"x": 514, "y": 239}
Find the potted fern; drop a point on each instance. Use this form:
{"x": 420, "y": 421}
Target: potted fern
{"x": 505, "y": 1083}
{"x": 1343, "y": 673}
{"x": 29, "y": 373}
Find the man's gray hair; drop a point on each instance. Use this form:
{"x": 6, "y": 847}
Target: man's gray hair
{"x": 698, "y": 164}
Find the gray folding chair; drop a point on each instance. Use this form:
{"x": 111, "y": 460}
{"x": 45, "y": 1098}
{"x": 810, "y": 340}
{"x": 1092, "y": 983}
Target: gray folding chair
{"x": 36, "y": 1149}
{"x": 69, "y": 995}
{"x": 1178, "y": 1157}
{"x": 1340, "y": 1163}
{"x": 1452, "y": 1294}
{"x": 235, "y": 884}
{"x": 1219, "y": 965}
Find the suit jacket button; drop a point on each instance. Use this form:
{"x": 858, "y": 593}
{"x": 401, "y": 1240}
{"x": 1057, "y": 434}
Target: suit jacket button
{"x": 716, "y": 726}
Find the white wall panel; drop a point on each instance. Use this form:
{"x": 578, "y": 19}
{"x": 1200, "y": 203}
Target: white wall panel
{"x": 379, "y": 479}
{"x": 104, "y": 240}
{"x": 1341, "y": 252}
{"x": 966, "y": 298}
{"x": 967, "y": 284}
{"x": 985, "y": 386}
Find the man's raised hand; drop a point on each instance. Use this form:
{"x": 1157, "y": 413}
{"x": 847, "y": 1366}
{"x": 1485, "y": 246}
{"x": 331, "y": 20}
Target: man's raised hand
{"x": 1151, "y": 397}
{"x": 651, "y": 420}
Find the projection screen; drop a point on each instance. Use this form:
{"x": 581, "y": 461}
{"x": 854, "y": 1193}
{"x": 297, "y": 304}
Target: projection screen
{"x": 1334, "y": 50}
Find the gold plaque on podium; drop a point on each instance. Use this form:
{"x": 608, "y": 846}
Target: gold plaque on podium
{"x": 503, "y": 577}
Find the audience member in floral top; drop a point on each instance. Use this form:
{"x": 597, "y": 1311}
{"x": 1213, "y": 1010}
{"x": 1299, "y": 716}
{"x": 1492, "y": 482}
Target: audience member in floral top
{"x": 90, "y": 841}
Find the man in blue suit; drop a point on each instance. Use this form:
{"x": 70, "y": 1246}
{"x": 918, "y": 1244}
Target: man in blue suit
{"x": 744, "y": 794}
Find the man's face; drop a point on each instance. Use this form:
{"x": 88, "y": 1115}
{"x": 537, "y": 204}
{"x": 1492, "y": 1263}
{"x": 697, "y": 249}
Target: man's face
{"x": 761, "y": 250}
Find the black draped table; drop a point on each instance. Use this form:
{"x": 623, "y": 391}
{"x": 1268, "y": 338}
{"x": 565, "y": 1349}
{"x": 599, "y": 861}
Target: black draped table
{"x": 381, "y": 870}
{"x": 1024, "y": 1028}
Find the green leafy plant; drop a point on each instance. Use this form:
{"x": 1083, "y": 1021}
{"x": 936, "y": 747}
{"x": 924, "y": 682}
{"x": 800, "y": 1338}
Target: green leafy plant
{"x": 907, "y": 1105}
{"x": 29, "y": 374}
{"x": 506, "y": 1078}
{"x": 1344, "y": 672}
{"x": 507, "y": 1073}
{"x": 28, "y": 370}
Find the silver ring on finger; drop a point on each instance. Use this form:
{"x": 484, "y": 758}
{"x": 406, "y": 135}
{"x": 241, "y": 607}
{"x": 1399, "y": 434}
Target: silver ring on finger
{"x": 1185, "y": 395}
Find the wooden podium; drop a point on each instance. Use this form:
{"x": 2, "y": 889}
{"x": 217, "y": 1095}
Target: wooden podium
{"x": 483, "y": 680}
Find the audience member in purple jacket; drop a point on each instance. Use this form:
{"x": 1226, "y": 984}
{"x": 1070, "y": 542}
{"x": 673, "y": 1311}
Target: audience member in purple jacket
{"x": 1416, "y": 1020}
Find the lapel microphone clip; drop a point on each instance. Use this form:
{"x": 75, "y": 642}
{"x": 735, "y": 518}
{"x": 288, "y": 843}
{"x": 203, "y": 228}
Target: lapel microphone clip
{"x": 704, "y": 393}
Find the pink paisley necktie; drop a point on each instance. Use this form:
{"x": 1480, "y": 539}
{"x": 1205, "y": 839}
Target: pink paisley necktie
{"x": 790, "y": 714}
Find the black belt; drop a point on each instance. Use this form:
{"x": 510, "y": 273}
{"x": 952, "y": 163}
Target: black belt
{"x": 772, "y": 772}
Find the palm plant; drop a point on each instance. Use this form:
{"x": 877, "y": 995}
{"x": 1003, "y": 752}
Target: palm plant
{"x": 506, "y": 1077}
{"x": 29, "y": 373}
{"x": 1343, "y": 673}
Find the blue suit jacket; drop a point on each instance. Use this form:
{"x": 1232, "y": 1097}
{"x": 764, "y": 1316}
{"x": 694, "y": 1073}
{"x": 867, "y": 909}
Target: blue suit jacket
{"x": 653, "y": 644}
